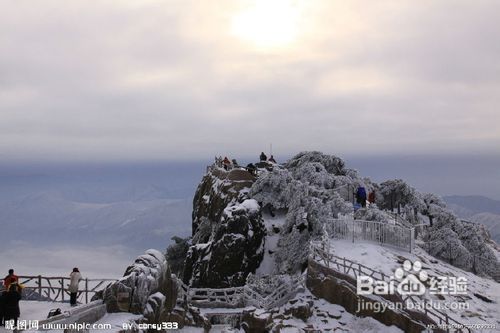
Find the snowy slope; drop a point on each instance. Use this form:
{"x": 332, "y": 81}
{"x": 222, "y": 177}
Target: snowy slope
{"x": 387, "y": 260}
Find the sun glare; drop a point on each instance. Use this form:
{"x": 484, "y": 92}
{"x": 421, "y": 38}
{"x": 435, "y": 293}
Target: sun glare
{"x": 267, "y": 23}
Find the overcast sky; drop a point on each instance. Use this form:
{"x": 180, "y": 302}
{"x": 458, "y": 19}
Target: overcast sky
{"x": 105, "y": 80}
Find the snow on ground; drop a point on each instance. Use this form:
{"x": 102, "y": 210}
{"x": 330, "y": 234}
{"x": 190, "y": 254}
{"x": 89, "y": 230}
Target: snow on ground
{"x": 35, "y": 310}
{"x": 214, "y": 329}
{"x": 329, "y": 317}
{"x": 274, "y": 221}
{"x": 205, "y": 311}
{"x": 388, "y": 259}
{"x": 116, "y": 320}
{"x": 271, "y": 243}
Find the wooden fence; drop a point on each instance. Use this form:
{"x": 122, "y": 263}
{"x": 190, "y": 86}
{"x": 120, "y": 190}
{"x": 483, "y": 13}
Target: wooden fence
{"x": 56, "y": 288}
{"x": 320, "y": 253}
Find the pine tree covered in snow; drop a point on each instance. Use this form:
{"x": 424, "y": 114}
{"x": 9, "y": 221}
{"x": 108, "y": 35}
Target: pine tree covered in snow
{"x": 483, "y": 260}
{"x": 395, "y": 194}
{"x": 460, "y": 243}
{"x": 306, "y": 189}
{"x": 176, "y": 254}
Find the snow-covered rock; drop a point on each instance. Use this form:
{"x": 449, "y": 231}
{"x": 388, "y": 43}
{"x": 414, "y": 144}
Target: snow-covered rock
{"x": 149, "y": 275}
{"x": 228, "y": 231}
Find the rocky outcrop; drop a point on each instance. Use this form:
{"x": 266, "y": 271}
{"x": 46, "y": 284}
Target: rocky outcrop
{"x": 217, "y": 189}
{"x": 228, "y": 231}
{"x": 253, "y": 321}
{"x": 147, "y": 276}
{"x": 235, "y": 249}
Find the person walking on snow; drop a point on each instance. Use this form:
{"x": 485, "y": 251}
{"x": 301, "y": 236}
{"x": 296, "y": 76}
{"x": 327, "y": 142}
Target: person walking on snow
{"x": 272, "y": 160}
{"x": 74, "y": 279}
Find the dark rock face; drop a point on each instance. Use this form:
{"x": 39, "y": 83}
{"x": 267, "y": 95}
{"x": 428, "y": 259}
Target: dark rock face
{"x": 234, "y": 250}
{"x": 300, "y": 311}
{"x": 228, "y": 231}
{"x": 253, "y": 323}
{"x": 217, "y": 189}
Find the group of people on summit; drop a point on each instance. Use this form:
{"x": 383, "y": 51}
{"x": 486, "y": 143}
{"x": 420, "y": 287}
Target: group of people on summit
{"x": 12, "y": 294}
{"x": 361, "y": 196}
{"x": 263, "y": 158}
{"x": 230, "y": 164}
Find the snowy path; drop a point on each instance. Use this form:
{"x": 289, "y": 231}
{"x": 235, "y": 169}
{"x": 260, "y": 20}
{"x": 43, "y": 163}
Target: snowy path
{"x": 268, "y": 263}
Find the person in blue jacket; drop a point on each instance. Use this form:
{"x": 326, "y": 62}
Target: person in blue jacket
{"x": 361, "y": 196}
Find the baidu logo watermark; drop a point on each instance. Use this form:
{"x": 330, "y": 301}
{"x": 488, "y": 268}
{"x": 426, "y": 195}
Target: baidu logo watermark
{"x": 411, "y": 279}
{"x": 408, "y": 280}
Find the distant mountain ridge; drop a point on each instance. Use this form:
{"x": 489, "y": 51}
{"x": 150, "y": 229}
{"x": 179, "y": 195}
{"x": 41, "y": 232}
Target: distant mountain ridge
{"x": 475, "y": 203}
{"x": 148, "y": 219}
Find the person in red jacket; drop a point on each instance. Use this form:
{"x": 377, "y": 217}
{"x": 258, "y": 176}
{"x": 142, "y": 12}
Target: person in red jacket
{"x": 11, "y": 278}
{"x": 227, "y": 163}
{"x": 371, "y": 197}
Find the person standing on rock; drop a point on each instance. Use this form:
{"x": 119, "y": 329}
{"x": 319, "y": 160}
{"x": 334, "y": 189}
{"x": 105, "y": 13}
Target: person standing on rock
{"x": 263, "y": 157}
{"x": 74, "y": 279}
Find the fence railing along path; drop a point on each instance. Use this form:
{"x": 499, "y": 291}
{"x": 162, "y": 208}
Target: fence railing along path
{"x": 55, "y": 288}
{"x": 378, "y": 232}
{"x": 320, "y": 253}
{"x": 239, "y": 296}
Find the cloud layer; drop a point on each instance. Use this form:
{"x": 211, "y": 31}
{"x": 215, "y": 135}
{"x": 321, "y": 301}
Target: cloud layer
{"x": 169, "y": 79}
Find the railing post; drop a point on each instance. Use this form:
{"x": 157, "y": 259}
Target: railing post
{"x": 62, "y": 290}
{"x": 40, "y": 285}
{"x": 412, "y": 239}
{"x": 86, "y": 290}
{"x": 353, "y": 230}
